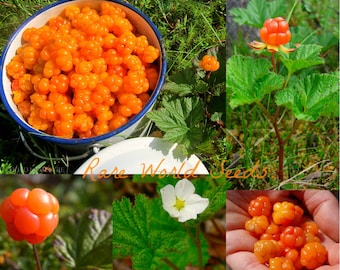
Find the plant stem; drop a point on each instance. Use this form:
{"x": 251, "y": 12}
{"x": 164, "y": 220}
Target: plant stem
{"x": 170, "y": 263}
{"x": 295, "y": 125}
{"x": 273, "y": 61}
{"x": 281, "y": 150}
{"x": 274, "y": 123}
{"x": 36, "y": 257}
{"x": 196, "y": 239}
{"x": 198, "y": 246}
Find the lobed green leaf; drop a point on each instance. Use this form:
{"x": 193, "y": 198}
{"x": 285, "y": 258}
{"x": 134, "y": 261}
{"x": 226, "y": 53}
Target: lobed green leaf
{"x": 257, "y": 11}
{"x": 305, "y": 56}
{"x": 147, "y": 233}
{"x": 312, "y": 97}
{"x": 250, "y": 80}
{"x": 180, "y": 120}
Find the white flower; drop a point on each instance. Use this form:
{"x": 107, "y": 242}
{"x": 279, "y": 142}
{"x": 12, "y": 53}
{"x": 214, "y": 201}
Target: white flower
{"x": 181, "y": 202}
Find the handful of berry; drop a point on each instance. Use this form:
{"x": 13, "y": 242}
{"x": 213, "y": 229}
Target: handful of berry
{"x": 285, "y": 240}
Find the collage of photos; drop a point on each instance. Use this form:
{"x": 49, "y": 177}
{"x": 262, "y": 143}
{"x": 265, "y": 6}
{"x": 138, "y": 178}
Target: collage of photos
{"x": 169, "y": 135}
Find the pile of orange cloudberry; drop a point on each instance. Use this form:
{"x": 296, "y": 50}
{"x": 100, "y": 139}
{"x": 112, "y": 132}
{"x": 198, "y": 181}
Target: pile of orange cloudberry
{"x": 83, "y": 74}
{"x": 286, "y": 240}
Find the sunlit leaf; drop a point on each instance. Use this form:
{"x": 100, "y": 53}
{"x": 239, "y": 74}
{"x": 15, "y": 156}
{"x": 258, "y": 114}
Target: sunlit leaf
{"x": 257, "y": 11}
{"x": 180, "y": 120}
{"x": 250, "y": 80}
{"x": 149, "y": 235}
{"x": 312, "y": 97}
{"x": 305, "y": 56}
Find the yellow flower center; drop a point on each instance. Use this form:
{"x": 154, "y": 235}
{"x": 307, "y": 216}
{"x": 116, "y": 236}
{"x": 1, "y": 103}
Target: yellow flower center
{"x": 179, "y": 205}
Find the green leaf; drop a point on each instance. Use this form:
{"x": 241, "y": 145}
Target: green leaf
{"x": 305, "y": 56}
{"x": 250, "y": 79}
{"x": 258, "y": 11}
{"x": 180, "y": 89}
{"x": 146, "y": 232}
{"x": 185, "y": 76}
{"x": 84, "y": 236}
{"x": 312, "y": 97}
{"x": 180, "y": 120}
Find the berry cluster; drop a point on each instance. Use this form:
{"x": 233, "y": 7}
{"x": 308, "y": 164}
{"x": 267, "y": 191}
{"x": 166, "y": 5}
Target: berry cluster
{"x": 285, "y": 241}
{"x": 30, "y": 215}
{"x": 209, "y": 63}
{"x": 275, "y": 31}
{"x": 84, "y": 73}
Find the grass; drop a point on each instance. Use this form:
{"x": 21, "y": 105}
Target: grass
{"x": 312, "y": 154}
{"x": 188, "y": 28}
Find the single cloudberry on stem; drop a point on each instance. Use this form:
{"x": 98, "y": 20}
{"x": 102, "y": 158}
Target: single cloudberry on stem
{"x": 30, "y": 215}
{"x": 275, "y": 33}
{"x": 209, "y": 63}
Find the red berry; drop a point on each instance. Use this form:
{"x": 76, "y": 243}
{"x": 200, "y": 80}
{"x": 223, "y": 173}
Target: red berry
{"x": 30, "y": 215}
{"x": 39, "y": 201}
{"x": 292, "y": 237}
{"x": 260, "y": 206}
{"x": 275, "y": 32}
{"x": 25, "y": 221}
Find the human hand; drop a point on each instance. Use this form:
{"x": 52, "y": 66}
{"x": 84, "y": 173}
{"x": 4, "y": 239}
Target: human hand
{"x": 322, "y": 207}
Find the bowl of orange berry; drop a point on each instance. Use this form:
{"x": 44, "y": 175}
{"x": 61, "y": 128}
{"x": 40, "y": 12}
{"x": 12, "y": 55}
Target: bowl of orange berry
{"x": 81, "y": 73}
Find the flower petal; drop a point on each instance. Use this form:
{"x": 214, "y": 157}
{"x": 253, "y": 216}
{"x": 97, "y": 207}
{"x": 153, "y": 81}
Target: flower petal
{"x": 187, "y": 213}
{"x": 197, "y": 203}
{"x": 173, "y": 211}
{"x": 168, "y": 196}
{"x": 272, "y": 48}
{"x": 256, "y": 45}
{"x": 184, "y": 188}
{"x": 285, "y": 49}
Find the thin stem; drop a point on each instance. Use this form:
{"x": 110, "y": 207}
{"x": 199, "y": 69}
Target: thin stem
{"x": 287, "y": 79}
{"x": 198, "y": 246}
{"x": 295, "y": 125}
{"x": 273, "y": 61}
{"x": 190, "y": 233}
{"x": 196, "y": 239}
{"x": 170, "y": 263}
{"x": 281, "y": 150}
{"x": 273, "y": 121}
{"x": 36, "y": 257}
{"x": 265, "y": 111}
{"x": 291, "y": 11}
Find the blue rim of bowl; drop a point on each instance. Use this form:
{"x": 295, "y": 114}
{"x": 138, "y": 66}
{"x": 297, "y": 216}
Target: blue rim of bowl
{"x": 86, "y": 141}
